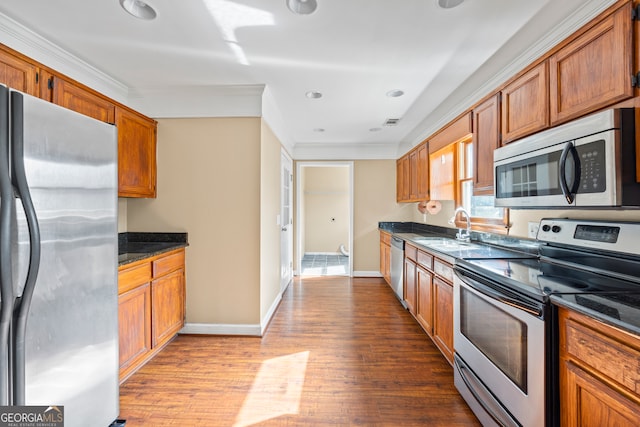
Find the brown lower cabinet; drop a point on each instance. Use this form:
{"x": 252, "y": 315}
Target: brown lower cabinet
{"x": 151, "y": 307}
{"x": 385, "y": 256}
{"x": 428, "y": 282}
{"x": 599, "y": 373}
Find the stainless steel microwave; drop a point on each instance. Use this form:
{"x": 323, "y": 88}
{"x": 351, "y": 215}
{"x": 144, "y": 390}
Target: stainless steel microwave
{"x": 587, "y": 163}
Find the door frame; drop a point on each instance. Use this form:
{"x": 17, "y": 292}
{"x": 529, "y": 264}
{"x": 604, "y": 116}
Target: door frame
{"x": 299, "y": 221}
{"x": 286, "y": 247}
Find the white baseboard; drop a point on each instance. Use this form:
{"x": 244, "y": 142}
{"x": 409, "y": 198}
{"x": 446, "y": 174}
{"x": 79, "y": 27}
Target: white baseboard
{"x": 366, "y": 274}
{"x": 221, "y": 329}
{"x": 270, "y": 313}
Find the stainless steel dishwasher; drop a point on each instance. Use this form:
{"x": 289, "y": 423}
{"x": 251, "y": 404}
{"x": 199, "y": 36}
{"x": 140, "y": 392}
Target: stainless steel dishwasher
{"x": 397, "y": 268}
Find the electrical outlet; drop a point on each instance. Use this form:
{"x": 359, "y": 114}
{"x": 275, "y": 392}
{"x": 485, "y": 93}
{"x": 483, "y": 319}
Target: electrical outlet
{"x": 533, "y": 229}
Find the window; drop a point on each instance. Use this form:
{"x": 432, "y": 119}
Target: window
{"x": 484, "y": 216}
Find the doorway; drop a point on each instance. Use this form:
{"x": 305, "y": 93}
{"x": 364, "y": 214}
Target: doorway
{"x": 324, "y": 218}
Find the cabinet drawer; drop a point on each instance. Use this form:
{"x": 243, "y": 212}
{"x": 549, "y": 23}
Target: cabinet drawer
{"x": 443, "y": 269}
{"x": 425, "y": 260}
{"x": 168, "y": 263}
{"x": 411, "y": 252}
{"x": 132, "y": 277}
{"x": 598, "y": 351}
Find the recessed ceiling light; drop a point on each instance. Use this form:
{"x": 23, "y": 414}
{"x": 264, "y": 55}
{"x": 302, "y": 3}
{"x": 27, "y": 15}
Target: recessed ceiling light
{"x": 319, "y": 130}
{"x": 449, "y": 4}
{"x": 139, "y": 9}
{"x": 302, "y": 7}
{"x": 313, "y": 95}
{"x": 395, "y": 93}
{"x": 375, "y": 129}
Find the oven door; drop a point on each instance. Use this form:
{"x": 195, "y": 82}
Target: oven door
{"x": 580, "y": 172}
{"x": 499, "y": 340}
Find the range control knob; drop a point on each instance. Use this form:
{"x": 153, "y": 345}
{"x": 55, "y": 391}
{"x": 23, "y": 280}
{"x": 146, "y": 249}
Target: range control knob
{"x": 546, "y": 227}
{"x": 555, "y": 228}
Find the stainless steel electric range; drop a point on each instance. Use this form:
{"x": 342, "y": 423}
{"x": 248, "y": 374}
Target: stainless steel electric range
{"x": 505, "y": 327}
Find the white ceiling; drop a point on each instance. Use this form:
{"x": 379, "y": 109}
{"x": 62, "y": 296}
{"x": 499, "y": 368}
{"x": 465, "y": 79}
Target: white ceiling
{"x": 206, "y": 57}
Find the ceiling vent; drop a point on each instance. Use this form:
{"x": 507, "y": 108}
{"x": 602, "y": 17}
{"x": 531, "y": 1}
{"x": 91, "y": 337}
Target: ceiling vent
{"x": 391, "y": 122}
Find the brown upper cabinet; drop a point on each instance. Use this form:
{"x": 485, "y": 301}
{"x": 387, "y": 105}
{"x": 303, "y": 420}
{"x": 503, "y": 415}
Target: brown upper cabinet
{"x": 18, "y": 74}
{"x": 594, "y": 70}
{"x": 486, "y": 138}
{"x": 525, "y": 104}
{"x": 71, "y": 96}
{"x": 413, "y": 175}
{"x": 136, "y": 154}
{"x": 442, "y": 173}
{"x": 402, "y": 179}
{"x": 136, "y": 133}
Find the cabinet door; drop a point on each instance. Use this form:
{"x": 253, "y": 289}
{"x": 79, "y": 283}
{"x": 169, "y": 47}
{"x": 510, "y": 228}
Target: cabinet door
{"x": 385, "y": 261}
{"x": 18, "y": 74}
{"x": 403, "y": 179}
{"x": 442, "y": 173}
{"x": 525, "y": 104}
{"x": 167, "y": 301}
{"x": 134, "y": 327}
{"x": 82, "y": 101}
{"x": 587, "y": 402}
{"x": 136, "y": 154}
{"x": 486, "y": 138}
{"x": 410, "y": 285}
{"x": 423, "y": 172}
{"x": 443, "y": 317}
{"x": 413, "y": 175}
{"x": 594, "y": 70}
{"x": 424, "y": 309}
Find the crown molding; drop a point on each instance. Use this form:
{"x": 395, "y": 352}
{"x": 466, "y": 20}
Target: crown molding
{"x": 199, "y": 101}
{"x": 472, "y": 91}
{"x": 335, "y": 151}
{"x": 20, "y": 38}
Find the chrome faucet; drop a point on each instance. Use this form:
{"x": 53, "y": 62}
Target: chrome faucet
{"x": 465, "y": 236}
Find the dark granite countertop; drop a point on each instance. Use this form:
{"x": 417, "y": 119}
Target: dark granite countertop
{"x": 134, "y": 246}
{"x": 621, "y": 310}
{"x": 483, "y": 245}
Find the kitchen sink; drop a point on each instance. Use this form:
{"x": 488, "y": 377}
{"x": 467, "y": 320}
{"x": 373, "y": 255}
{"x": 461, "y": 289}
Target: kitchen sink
{"x": 461, "y": 249}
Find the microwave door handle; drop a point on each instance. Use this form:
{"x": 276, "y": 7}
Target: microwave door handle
{"x": 569, "y": 193}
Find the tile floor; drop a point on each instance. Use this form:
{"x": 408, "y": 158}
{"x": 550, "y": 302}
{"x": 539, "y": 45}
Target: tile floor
{"x": 325, "y": 265}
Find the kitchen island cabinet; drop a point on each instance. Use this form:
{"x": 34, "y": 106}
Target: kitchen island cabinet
{"x": 151, "y": 307}
{"x": 599, "y": 373}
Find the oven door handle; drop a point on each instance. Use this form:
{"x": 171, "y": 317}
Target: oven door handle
{"x": 569, "y": 193}
{"x": 489, "y": 292}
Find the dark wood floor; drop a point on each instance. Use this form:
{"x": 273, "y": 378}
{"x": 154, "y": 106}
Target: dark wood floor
{"x": 338, "y": 352}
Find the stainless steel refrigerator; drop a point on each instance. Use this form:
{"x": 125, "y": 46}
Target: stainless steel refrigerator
{"x": 58, "y": 260}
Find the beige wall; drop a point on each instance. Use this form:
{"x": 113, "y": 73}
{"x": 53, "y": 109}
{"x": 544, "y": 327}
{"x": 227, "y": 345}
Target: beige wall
{"x": 209, "y": 173}
{"x": 270, "y": 187}
{"x": 326, "y": 206}
{"x": 374, "y": 201}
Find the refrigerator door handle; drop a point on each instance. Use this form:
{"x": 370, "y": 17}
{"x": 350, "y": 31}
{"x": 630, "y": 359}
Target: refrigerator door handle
{"x": 23, "y": 303}
{"x": 7, "y": 208}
